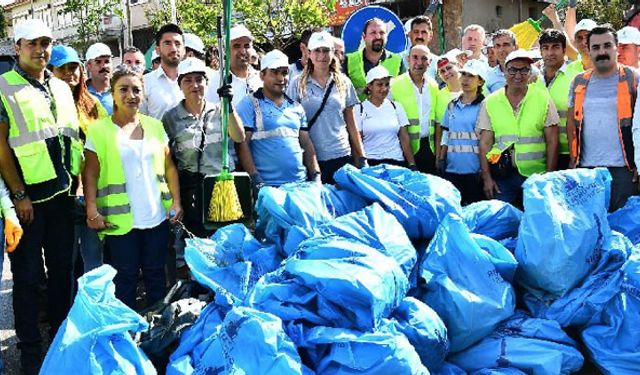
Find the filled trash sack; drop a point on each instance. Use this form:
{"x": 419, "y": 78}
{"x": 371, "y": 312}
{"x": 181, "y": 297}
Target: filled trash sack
{"x": 230, "y": 262}
{"x": 500, "y": 256}
{"x": 419, "y": 201}
{"x": 424, "y": 329}
{"x": 492, "y": 218}
{"x": 460, "y": 282}
{"x": 534, "y": 346}
{"x": 327, "y": 351}
{"x": 95, "y": 338}
{"x": 449, "y": 369}
{"x": 372, "y": 226}
{"x": 335, "y": 282}
{"x": 626, "y": 220}
{"x": 302, "y": 204}
{"x": 613, "y": 341}
{"x": 581, "y": 304}
{"x": 499, "y": 371}
{"x": 564, "y": 223}
{"x": 245, "y": 341}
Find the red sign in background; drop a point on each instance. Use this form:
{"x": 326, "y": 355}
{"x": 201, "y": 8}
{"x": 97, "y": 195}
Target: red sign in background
{"x": 344, "y": 8}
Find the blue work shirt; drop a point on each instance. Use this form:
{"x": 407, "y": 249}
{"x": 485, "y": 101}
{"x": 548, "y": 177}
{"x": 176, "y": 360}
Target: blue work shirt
{"x": 105, "y": 98}
{"x": 277, "y": 157}
{"x": 495, "y": 79}
{"x": 463, "y": 144}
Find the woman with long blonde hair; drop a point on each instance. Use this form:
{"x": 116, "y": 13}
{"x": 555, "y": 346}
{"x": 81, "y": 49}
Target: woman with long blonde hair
{"x": 328, "y": 97}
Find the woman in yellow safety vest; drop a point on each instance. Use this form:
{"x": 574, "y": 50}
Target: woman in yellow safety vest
{"x": 66, "y": 65}
{"x": 131, "y": 189}
{"x": 382, "y": 123}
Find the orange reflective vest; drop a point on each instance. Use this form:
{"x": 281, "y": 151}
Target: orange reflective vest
{"x": 627, "y": 92}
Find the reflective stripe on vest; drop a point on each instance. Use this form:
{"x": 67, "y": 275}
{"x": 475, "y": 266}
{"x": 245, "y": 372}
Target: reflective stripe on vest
{"x": 188, "y": 144}
{"x": 111, "y": 198}
{"x": 260, "y": 133}
{"x": 626, "y": 98}
{"x": 559, "y": 92}
{"x": 355, "y": 69}
{"x": 463, "y": 148}
{"x": 523, "y": 132}
{"x": 463, "y": 136}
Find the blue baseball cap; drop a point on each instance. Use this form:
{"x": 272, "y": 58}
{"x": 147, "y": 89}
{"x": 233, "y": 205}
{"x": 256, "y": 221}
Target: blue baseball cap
{"x": 61, "y": 55}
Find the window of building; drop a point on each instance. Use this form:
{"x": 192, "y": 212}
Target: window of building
{"x": 499, "y": 11}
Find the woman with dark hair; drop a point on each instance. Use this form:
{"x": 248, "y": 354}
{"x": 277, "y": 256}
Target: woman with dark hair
{"x": 328, "y": 98}
{"x": 66, "y": 66}
{"x": 131, "y": 188}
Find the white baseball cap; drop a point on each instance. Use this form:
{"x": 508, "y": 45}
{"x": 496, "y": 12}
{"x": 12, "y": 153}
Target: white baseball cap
{"x": 475, "y": 67}
{"x": 519, "y": 54}
{"x": 194, "y": 42}
{"x": 96, "y": 50}
{"x": 31, "y": 29}
{"x": 154, "y": 55}
{"x": 585, "y": 25}
{"x": 239, "y": 31}
{"x": 407, "y": 26}
{"x": 273, "y": 60}
{"x": 191, "y": 65}
{"x": 378, "y": 72}
{"x": 319, "y": 40}
{"x": 629, "y": 35}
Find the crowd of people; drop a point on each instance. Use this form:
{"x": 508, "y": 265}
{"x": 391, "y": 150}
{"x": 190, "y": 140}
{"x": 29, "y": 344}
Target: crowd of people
{"x": 100, "y": 163}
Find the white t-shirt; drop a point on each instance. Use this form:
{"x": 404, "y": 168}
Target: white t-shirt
{"x": 140, "y": 180}
{"x": 161, "y": 94}
{"x": 379, "y": 127}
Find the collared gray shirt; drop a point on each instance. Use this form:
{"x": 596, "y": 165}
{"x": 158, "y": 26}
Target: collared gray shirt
{"x": 186, "y": 133}
{"x": 329, "y": 133}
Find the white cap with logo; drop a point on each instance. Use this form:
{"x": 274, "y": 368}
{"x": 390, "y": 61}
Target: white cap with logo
{"x": 519, "y": 54}
{"x": 476, "y": 68}
{"x": 96, "y": 50}
{"x": 585, "y": 25}
{"x": 273, "y": 60}
{"x": 31, "y": 29}
{"x": 629, "y": 35}
{"x": 239, "y": 31}
{"x": 320, "y": 39}
{"x": 378, "y": 72}
{"x": 194, "y": 42}
{"x": 191, "y": 65}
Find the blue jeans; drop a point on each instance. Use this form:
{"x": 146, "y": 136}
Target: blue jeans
{"x": 89, "y": 246}
{"x": 144, "y": 249}
{"x": 510, "y": 189}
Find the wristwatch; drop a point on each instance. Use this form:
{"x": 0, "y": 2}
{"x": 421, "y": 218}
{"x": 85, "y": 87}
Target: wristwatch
{"x": 19, "y": 195}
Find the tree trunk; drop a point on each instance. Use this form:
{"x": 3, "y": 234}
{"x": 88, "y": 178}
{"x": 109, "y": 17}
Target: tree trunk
{"x": 452, "y": 15}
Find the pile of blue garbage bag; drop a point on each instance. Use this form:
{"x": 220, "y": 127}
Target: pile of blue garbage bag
{"x": 386, "y": 273}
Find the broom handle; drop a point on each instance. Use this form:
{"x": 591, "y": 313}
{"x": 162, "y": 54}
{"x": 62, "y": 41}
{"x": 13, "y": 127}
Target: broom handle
{"x": 224, "y": 73}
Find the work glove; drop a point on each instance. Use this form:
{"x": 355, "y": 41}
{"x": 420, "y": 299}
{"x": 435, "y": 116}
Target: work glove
{"x": 257, "y": 183}
{"x": 413, "y": 167}
{"x": 363, "y": 163}
{"x": 572, "y": 3}
{"x": 316, "y": 177}
{"x": 12, "y": 233}
{"x": 226, "y": 91}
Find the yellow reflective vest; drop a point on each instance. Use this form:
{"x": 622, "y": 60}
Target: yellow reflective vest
{"x": 31, "y": 123}
{"x": 355, "y": 69}
{"x": 112, "y": 200}
{"x": 403, "y": 92}
{"x": 526, "y": 131}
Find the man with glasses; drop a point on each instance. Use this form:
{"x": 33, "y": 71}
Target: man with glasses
{"x": 518, "y": 132}
{"x": 277, "y": 146}
{"x": 504, "y": 42}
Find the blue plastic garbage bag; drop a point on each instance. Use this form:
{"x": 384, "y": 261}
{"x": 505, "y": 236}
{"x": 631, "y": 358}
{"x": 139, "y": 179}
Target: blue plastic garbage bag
{"x": 564, "y": 223}
{"x": 581, "y": 304}
{"x": 419, "y": 201}
{"x": 230, "y": 262}
{"x": 424, "y": 329}
{"x": 500, "y": 256}
{"x": 463, "y": 286}
{"x": 341, "y": 202}
{"x": 534, "y": 346}
{"x": 499, "y": 371}
{"x": 95, "y": 338}
{"x": 613, "y": 341}
{"x": 493, "y": 218}
{"x": 343, "y": 351}
{"x": 627, "y": 219}
{"x": 335, "y": 282}
{"x": 372, "y": 226}
{"x": 449, "y": 369}
{"x": 246, "y": 342}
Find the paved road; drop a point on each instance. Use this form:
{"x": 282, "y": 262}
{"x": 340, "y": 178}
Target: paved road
{"x": 7, "y": 334}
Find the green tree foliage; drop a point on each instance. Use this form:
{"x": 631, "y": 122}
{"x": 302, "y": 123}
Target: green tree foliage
{"x": 603, "y": 11}
{"x": 271, "y": 22}
{"x": 89, "y": 13}
{"x": 3, "y": 24}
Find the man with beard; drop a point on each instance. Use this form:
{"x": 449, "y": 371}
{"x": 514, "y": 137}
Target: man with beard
{"x": 161, "y": 89}
{"x": 504, "y": 42}
{"x": 556, "y": 78}
{"x": 358, "y": 63}
{"x": 244, "y": 79}
{"x": 99, "y": 68}
{"x": 580, "y": 42}
{"x": 420, "y": 32}
{"x": 628, "y": 46}
{"x": 518, "y": 132}
{"x": 597, "y": 138}
{"x": 277, "y": 145}
{"x": 417, "y": 93}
